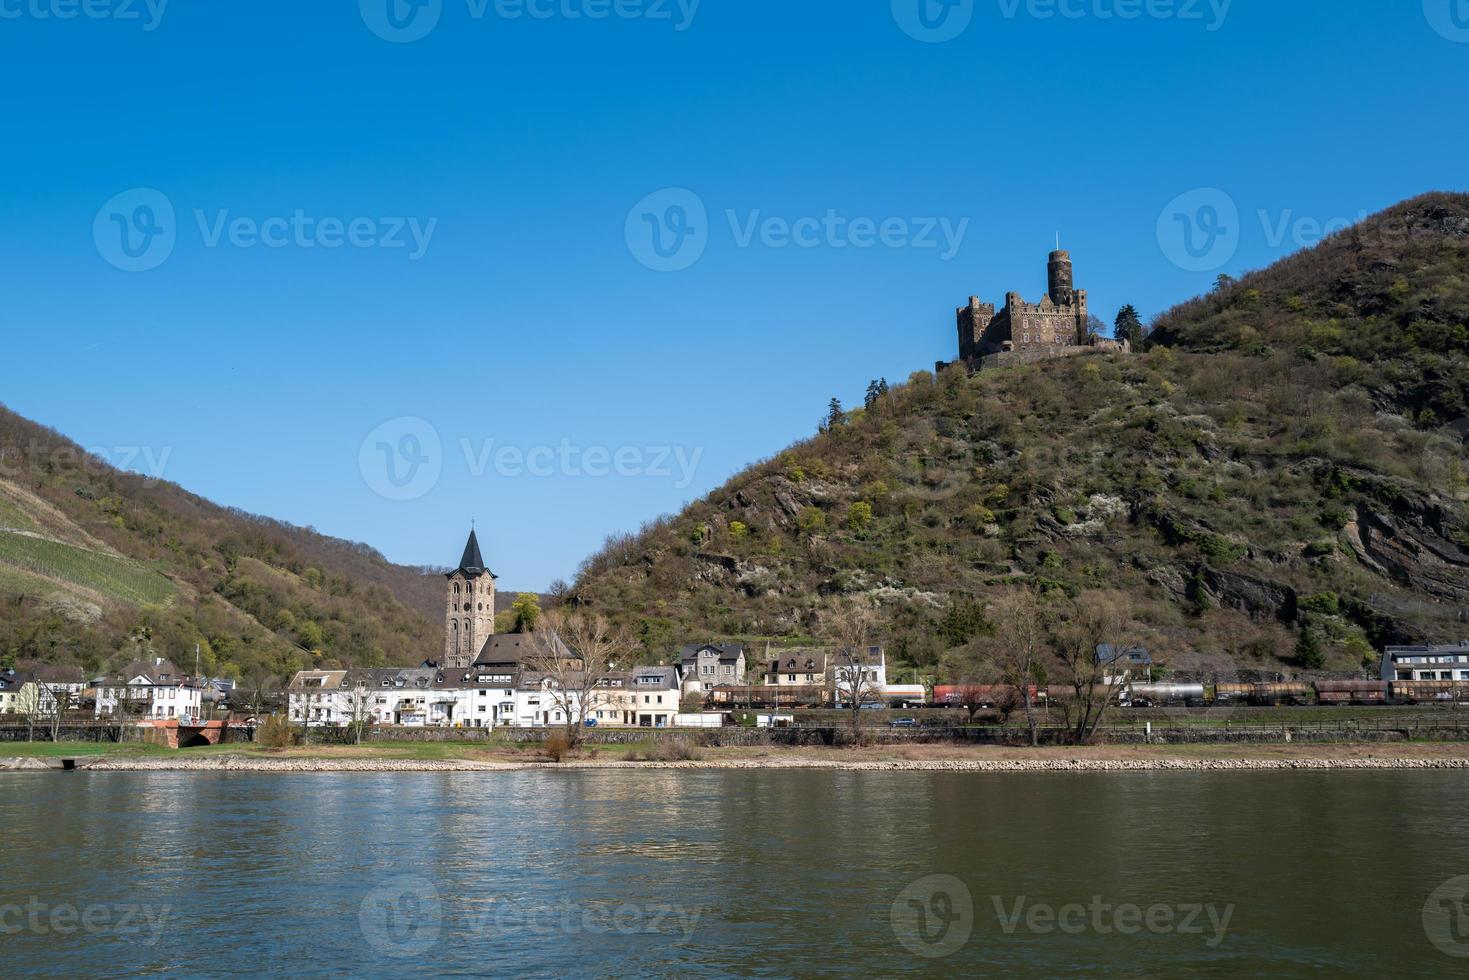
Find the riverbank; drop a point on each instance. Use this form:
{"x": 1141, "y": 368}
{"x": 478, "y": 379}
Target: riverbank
{"x": 1101, "y": 758}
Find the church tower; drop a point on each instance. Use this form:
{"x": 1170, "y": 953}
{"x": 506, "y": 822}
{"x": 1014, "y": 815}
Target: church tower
{"x": 471, "y": 607}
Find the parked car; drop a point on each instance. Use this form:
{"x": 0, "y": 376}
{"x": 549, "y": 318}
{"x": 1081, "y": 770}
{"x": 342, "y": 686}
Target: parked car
{"x": 904, "y": 723}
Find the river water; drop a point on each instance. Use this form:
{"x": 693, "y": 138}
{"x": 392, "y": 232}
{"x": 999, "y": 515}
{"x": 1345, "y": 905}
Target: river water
{"x": 760, "y": 873}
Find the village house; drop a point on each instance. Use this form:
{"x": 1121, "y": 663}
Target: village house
{"x": 866, "y": 669}
{"x": 708, "y": 665}
{"x": 1449, "y": 662}
{"x": 11, "y": 682}
{"x": 154, "y": 689}
{"x": 796, "y": 668}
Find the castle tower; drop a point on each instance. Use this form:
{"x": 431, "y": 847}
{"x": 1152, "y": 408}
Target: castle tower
{"x": 470, "y": 619}
{"x": 1059, "y": 278}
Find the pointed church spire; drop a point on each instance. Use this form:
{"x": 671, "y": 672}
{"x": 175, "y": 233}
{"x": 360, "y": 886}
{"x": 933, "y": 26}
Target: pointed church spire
{"x": 473, "y": 563}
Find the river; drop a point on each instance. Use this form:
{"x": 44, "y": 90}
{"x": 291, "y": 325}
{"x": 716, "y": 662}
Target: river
{"x": 758, "y": 873}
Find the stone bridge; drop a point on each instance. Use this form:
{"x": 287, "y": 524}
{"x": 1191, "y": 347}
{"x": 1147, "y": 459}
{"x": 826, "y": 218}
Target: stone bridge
{"x": 178, "y": 734}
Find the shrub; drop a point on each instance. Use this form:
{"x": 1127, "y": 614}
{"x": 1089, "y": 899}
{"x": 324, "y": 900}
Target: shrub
{"x": 738, "y": 530}
{"x": 812, "y": 519}
{"x": 676, "y": 750}
{"x": 276, "y": 732}
{"x": 1324, "y": 602}
{"x": 557, "y": 746}
{"x": 859, "y": 516}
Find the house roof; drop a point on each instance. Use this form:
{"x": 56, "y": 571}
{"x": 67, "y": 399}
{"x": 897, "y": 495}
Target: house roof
{"x": 516, "y": 648}
{"x": 729, "y": 653}
{"x": 799, "y": 661}
{"x": 872, "y": 656}
{"x": 56, "y": 674}
{"x": 1133, "y": 656}
{"x": 157, "y": 671}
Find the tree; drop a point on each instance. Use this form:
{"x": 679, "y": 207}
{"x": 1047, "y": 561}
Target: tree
{"x": 1223, "y": 282}
{"x": 852, "y": 627}
{"x": 1308, "y": 648}
{"x": 1094, "y": 326}
{"x": 576, "y": 655}
{"x": 872, "y": 394}
{"x": 527, "y": 610}
{"x": 257, "y": 689}
{"x": 1088, "y": 624}
{"x": 1129, "y": 326}
{"x": 835, "y": 416}
{"x": 1017, "y": 650}
{"x": 361, "y": 718}
{"x": 859, "y": 516}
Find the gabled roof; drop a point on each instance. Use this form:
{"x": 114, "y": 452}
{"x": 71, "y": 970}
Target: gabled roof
{"x": 515, "y": 648}
{"x": 1136, "y": 656}
{"x": 798, "y": 662}
{"x": 472, "y": 563}
{"x": 728, "y": 652}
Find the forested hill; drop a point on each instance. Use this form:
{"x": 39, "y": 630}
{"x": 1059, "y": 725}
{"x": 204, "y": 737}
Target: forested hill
{"x": 1278, "y": 482}
{"x": 99, "y": 565}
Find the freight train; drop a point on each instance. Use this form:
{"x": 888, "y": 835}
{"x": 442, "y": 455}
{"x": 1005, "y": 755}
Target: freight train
{"x": 1142, "y": 695}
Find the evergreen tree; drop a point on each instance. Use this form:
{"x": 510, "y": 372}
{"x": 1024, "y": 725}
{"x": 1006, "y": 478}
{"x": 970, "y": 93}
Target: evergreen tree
{"x": 1129, "y": 326}
{"x": 882, "y": 387}
{"x": 1308, "y": 648}
{"x": 835, "y": 416}
{"x": 872, "y": 394}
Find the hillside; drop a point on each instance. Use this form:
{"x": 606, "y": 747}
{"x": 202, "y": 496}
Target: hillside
{"x": 98, "y": 565}
{"x": 1278, "y": 482}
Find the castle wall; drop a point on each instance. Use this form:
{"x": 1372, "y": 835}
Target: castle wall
{"x": 1054, "y": 327}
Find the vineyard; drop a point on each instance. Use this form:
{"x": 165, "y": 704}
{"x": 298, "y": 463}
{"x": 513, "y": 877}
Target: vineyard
{"x": 118, "y": 578}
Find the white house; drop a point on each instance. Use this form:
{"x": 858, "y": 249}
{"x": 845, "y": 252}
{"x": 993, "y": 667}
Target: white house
{"x": 1447, "y": 662}
{"x": 480, "y": 696}
{"x": 154, "y": 689}
{"x": 865, "y": 671}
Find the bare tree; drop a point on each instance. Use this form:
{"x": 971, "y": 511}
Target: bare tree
{"x": 1017, "y": 649}
{"x": 361, "y": 719}
{"x": 1094, "y": 685}
{"x": 259, "y": 688}
{"x": 853, "y": 627}
{"x": 56, "y": 697}
{"x": 575, "y": 655}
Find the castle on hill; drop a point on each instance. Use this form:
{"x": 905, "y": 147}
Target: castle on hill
{"x": 1057, "y": 326}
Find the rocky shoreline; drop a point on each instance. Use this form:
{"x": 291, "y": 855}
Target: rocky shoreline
{"x": 230, "y": 763}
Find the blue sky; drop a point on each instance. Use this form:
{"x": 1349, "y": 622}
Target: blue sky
{"x": 536, "y": 156}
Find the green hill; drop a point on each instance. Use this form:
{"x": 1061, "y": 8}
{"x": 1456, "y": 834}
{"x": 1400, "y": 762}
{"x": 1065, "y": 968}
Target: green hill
{"x": 1282, "y": 471}
{"x": 98, "y": 565}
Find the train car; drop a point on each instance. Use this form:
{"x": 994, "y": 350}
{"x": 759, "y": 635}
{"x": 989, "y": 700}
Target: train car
{"x": 979, "y": 695}
{"x": 1351, "y": 692}
{"x": 1273, "y": 694}
{"x": 1147, "y": 695}
{"x": 1420, "y": 692}
{"x": 1233, "y": 693}
{"x": 904, "y": 695}
{"x": 767, "y": 696}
